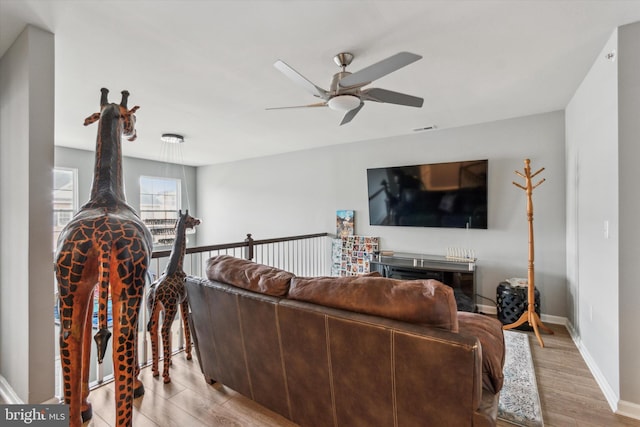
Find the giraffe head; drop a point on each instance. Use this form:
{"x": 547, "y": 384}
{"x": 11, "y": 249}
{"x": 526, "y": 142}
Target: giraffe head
{"x": 120, "y": 112}
{"x": 189, "y": 221}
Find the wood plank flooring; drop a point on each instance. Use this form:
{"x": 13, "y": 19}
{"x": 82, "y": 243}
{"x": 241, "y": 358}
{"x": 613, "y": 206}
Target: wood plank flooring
{"x": 568, "y": 393}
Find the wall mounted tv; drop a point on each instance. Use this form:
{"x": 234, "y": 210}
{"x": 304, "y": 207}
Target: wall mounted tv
{"x": 450, "y": 194}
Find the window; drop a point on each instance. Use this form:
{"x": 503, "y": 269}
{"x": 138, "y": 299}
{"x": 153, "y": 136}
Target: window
{"x": 65, "y": 199}
{"x": 65, "y": 205}
{"x": 159, "y": 205}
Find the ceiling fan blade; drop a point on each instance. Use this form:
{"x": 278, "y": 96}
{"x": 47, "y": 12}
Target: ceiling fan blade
{"x": 319, "y": 104}
{"x": 300, "y": 80}
{"x": 391, "y": 97}
{"x": 379, "y": 69}
{"x": 351, "y": 114}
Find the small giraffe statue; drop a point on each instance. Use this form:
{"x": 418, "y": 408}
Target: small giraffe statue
{"x": 106, "y": 244}
{"x": 165, "y": 294}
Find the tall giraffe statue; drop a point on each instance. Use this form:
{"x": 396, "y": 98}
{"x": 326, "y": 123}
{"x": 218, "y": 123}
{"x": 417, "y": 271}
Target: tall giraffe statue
{"x": 106, "y": 244}
{"x": 165, "y": 294}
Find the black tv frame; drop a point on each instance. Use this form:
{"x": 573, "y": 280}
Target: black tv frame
{"x": 448, "y": 194}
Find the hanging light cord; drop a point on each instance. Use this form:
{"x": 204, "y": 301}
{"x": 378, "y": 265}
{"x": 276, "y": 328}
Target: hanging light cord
{"x": 172, "y": 153}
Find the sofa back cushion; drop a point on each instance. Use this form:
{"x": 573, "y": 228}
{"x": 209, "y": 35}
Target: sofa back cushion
{"x": 249, "y": 275}
{"x": 427, "y": 302}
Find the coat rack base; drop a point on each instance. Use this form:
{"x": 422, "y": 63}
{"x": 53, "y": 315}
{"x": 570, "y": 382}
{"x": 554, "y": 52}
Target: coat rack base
{"x": 534, "y": 321}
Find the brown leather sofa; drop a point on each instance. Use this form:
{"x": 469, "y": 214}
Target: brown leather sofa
{"x": 349, "y": 351}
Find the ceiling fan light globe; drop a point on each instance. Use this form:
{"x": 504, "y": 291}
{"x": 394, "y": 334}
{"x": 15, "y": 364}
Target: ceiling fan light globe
{"x": 344, "y": 102}
{"x": 172, "y": 138}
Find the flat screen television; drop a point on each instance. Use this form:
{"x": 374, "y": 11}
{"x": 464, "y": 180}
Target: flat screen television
{"x": 452, "y": 194}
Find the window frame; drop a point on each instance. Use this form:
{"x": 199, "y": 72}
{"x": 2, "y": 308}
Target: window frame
{"x": 161, "y": 226}
{"x": 57, "y": 225}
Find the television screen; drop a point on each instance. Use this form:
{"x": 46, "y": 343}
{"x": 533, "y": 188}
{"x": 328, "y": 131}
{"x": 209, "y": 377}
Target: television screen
{"x": 450, "y": 194}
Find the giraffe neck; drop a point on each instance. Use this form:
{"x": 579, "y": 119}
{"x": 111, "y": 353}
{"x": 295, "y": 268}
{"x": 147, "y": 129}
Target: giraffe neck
{"x": 177, "y": 252}
{"x": 108, "y": 186}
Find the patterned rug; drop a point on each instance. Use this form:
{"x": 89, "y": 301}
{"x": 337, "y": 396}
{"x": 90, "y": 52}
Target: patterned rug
{"x": 519, "y": 401}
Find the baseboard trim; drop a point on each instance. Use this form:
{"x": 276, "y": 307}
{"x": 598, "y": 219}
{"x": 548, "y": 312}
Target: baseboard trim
{"x": 555, "y": 320}
{"x": 546, "y": 318}
{"x": 487, "y": 309}
{"x": 628, "y": 409}
{"x": 609, "y": 394}
{"x": 7, "y": 393}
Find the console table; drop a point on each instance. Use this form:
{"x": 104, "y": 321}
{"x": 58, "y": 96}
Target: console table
{"x": 460, "y": 275}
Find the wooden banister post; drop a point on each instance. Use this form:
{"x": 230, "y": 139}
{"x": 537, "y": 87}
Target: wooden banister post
{"x": 248, "y": 254}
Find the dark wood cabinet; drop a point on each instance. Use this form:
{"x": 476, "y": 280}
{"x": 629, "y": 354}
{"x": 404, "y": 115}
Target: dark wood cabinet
{"x": 460, "y": 275}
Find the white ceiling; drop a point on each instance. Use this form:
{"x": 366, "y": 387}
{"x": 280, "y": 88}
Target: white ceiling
{"x": 204, "y": 69}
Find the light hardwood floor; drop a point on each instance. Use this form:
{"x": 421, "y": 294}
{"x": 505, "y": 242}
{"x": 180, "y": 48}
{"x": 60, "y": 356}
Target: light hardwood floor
{"x": 568, "y": 393}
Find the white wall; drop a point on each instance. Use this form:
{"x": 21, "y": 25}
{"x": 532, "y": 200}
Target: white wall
{"x": 298, "y": 193}
{"x": 592, "y": 152}
{"x": 629, "y": 155}
{"x": 26, "y": 264}
{"x": 603, "y": 131}
{"x": 133, "y": 168}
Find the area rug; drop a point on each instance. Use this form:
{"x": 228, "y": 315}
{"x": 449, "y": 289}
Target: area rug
{"x": 519, "y": 400}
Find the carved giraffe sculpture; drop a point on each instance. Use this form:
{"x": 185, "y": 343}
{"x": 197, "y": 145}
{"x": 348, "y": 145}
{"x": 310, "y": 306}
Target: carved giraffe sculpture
{"x": 165, "y": 294}
{"x": 107, "y": 244}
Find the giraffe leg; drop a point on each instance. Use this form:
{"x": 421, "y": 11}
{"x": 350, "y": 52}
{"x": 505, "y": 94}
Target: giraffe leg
{"x": 125, "y": 315}
{"x": 72, "y": 325}
{"x": 184, "y": 312}
{"x": 169, "y": 315}
{"x": 138, "y": 386}
{"x": 153, "y": 331}
{"x": 86, "y": 410}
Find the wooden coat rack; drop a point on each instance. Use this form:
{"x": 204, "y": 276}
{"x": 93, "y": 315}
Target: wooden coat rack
{"x": 530, "y": 315}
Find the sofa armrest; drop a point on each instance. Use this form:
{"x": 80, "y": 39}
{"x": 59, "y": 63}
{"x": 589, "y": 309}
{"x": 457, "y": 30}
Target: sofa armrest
{"x": 488, "y": 330}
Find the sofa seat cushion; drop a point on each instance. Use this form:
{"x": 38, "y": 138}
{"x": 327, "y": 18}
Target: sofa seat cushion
{"x": 489, "y": 332}
{"x": 249, "y": 275}
{"x": 427, "y": 302}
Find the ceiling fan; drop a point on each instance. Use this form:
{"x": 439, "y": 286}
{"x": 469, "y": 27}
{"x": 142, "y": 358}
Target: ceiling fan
{"x": 346, "y": 93}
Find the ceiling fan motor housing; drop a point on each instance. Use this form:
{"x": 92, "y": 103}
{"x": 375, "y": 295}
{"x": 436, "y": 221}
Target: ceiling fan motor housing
{"x": 335, "y": 89}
